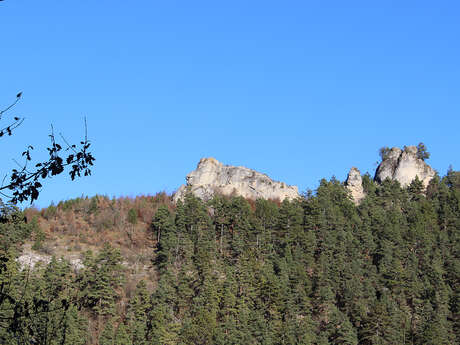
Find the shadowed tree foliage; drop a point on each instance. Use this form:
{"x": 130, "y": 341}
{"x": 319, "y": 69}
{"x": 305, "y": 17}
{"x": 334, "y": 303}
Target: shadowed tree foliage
{"x": 36, "y": 307}
{"x": 25, "y": 182}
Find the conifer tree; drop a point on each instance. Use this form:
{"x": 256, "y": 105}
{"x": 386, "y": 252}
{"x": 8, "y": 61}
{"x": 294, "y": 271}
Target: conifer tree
{"x": 107, "y": 335}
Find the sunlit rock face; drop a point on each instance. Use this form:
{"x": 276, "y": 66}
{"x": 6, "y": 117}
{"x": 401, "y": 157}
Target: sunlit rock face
{"x": 403, "y": 166}
{"x": 354, "y": 183}
{"x": 211, "y": 177}
{"x": 30, "y": 258}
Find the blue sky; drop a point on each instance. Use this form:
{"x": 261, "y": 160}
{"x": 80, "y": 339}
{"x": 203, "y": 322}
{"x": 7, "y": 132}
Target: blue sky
{"x": 299, "y": 90}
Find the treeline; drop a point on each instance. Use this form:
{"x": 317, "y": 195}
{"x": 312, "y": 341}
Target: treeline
{"x": 318, "y": 270}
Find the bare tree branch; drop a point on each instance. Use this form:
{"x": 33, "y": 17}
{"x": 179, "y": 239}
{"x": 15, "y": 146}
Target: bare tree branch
{"x": 25, "y": 184}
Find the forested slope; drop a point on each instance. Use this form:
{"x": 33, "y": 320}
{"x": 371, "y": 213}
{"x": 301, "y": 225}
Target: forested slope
{"x": 317, "y": 270}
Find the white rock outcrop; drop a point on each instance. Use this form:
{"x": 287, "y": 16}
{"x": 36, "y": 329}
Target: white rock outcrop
{"x": 211, "y": 177}
{"x": 403, "y": 166}
{"x": 354, "y": 183}
{"x": 30, "y": 258}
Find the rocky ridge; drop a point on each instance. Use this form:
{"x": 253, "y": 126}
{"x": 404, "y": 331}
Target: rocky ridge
{"x": 398, "y": 165}
{"x": 211, "y": 177}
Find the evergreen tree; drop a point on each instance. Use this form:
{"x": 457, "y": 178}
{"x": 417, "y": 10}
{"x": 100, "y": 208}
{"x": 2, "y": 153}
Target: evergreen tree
{"x": 121, "y": 336}
{"x": 107, "y": 335}
{"x": 99, "y": 280}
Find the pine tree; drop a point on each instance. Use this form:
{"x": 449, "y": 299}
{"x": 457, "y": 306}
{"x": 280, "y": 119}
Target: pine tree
{"x": 137, "y": 311}
{"x": 121, "y": 336}
{"x": 107, "y": 335}
{"x": 99, "y": 280}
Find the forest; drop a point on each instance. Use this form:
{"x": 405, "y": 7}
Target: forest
{"x": 316, "y": 270}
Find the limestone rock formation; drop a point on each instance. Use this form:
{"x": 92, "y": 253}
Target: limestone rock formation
{"x": 354, "y": 183}
{"x": 403, "y": 166}
{"x": 30, "y": 258}
{"x": 211, "y": 177}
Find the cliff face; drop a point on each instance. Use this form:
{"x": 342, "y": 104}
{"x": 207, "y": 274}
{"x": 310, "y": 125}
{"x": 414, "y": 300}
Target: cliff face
{"x": 403, "y": 166}
{"x": 212, "y": 177}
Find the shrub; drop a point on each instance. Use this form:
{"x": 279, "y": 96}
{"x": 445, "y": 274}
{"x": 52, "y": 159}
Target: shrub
{"x": 383, "y": 152}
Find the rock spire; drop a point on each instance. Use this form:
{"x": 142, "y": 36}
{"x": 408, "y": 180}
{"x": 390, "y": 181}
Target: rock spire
{"x": 403, "y": 166}
{"x": 354, "y": 183}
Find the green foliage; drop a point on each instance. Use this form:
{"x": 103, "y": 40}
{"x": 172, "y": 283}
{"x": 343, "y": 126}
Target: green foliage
{"x": 100, "y": 280}
{"x": 38, "y": 234}
{"x": 422, "y": 152}
{"x": 138, "y": 308}
{"x": 36, "y": 307}
{"x": 383, "y": 152}
{"x": 13, "y": 228}
{"x": 132, "y": 216}
{"x": 121, "y": 335}
{"x": 319, "y": 270}
{"x": 68, "y": 205}
{"x": 93, "y": 206}
{"x": 107, "y": 336}
{"x": 50, "y": 212}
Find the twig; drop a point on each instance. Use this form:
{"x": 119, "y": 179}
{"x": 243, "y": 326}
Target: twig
{"x": 10, "y": 106}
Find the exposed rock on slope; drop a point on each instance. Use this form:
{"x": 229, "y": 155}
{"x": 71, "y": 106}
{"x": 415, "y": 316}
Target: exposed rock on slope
{"x": 354, "y": 183}
{"x": 30, "y": 258}
{"x": 403, "y": 166}
{"x": 212, "y": 177}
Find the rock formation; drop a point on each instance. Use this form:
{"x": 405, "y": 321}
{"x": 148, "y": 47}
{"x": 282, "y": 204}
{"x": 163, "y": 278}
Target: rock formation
{"x": 354, "y": 183}
{"x": 30, "y": 258}
{"x": 211, "y": 177}
{"x": 403, "y": 166}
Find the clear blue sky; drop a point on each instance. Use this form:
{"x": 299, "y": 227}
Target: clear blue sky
{"x": 299, "y": 90}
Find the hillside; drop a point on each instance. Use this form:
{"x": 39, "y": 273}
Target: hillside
{"x": 316, "y": 270}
